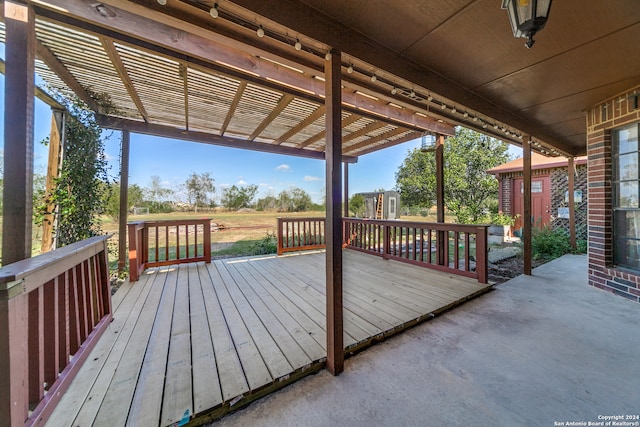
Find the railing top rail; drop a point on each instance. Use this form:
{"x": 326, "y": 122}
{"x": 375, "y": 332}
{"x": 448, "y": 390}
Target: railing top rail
{"x": 302, "y": 218}
{"x": 190, "y": 221}
{"x": 28, "y": 274}
{"x": 419, "y": 224}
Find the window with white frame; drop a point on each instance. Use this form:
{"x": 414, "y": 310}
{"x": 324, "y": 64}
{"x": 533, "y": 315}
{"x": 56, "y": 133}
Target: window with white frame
{"x": 626, "y": 197}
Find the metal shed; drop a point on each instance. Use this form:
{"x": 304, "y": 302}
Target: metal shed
{"x": 381, "y": 204}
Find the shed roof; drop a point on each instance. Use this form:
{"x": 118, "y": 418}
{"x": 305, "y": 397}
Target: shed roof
{"x": 538, "y": 161}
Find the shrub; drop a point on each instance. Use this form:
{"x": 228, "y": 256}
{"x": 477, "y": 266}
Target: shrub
{"x": 548, "y": 244}
{"x": 268, "y": 245}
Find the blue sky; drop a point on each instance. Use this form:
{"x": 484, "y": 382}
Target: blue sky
{"x": 173, "y": 161}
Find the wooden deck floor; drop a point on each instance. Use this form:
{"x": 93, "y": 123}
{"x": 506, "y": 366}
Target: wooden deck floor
{"x": 206, "y": 339}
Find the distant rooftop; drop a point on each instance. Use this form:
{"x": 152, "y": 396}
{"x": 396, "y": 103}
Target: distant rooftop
{"x": 538, "y": 161}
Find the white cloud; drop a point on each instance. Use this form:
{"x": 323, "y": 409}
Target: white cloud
{"x": 108, "y": 157}
{"x": 284, "y": 168}
{"x": 310, "y": 178}
{"x": 242, "y": 182}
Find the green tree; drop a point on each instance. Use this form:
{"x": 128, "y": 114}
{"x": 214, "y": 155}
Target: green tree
{"x": 269, "y": 202}
{"x": 158, "y": 194}
{"x": 112, "y": 198}
{"x": 356, "y": 205}
{"x": 199, "y": 187}
{"x": 238, "y": 197}
{"x": 294, "y": 200}
{"x": 468, "y": 188}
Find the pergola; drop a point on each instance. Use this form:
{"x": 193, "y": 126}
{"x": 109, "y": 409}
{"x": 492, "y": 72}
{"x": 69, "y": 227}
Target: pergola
{"x": 323, "y": 79}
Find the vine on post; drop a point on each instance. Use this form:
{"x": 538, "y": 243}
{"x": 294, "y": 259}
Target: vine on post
{"x": 83, "y": 179}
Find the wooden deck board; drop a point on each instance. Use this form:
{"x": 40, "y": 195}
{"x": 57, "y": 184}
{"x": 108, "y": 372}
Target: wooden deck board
{"x": 177, "y": 401}
{"x": 202, "y": 340}
{"x": 206, "y": 384}
{"x": 230, "y": 373}
{"x": 147, "y": 399}
{"x": 254, "y": 367}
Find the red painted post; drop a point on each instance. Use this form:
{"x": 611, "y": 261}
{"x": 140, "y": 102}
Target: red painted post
{"x": 279, "y": 231}
{"x": 482, "y": 267}
{"x": 133, "y": 253}
{"x": 207, "y": 241}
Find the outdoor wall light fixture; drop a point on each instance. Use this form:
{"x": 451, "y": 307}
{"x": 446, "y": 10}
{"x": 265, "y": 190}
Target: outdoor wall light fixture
{"x": 428, "y": 142}
{"x": 214, "y": 11}
{"x": 298, "y": 45}
{"x": 260, "y": 31}
{"x": 527, "y": 17}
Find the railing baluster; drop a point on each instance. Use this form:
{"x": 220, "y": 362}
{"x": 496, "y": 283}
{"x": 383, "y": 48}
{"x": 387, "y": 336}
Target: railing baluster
{"x": 50, "y": 332}
{"x": 36, "y": 345}
{"x": 466, "y": 252}
{"x": 63, "y": 321}
{"x": 456, "y": 255}
{"x": 186, "y": 240}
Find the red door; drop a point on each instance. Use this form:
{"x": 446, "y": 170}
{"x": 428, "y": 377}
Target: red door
{"x": 540, "y": 201}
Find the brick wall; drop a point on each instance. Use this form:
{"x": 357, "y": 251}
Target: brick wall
{"x": 505, "y": 191}
{"x": 601, "y": 119}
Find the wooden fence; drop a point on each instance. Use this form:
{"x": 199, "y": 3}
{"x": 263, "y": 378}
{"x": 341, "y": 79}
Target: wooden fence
{"x": 157, "y": 243}
{"x": 53, "y": 309}
{"x": 454, "y": 248}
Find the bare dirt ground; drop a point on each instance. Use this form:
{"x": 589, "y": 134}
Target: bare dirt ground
{"x": 509, "y": 268}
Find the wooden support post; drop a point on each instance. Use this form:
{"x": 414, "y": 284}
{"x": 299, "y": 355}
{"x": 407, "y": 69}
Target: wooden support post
{"x": 571, "y": 173}
{"x": 441, "y": 235}
{"x": 526, "y": 215}
{"x": 346, "y": 189}
{"x": 333, "y": 231}
{"x": 20, "y": 48}
{"x": 19, "y": 84}
{"x": 56, "y": 136}
{"x": 124, "y": 202}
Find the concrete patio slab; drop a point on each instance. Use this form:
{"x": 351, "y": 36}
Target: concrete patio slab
{"x": 545, "y": 350}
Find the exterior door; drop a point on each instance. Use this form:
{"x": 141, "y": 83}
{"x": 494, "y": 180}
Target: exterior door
{"x": 540, "y": 201}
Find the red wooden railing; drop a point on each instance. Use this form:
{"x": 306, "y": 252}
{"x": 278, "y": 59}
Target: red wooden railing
{"x": 53, "y": 309}
{"x": 157, "y": 243}
{"x": 454, "y": 248}
{"x": 299, "y": 234}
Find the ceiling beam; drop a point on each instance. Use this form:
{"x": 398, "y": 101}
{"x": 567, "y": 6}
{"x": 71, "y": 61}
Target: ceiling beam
{"x": 65, "y": 75}
{"x": 317, "y": 137}
{"x": 39, "y": 93}
{"x": 299, "y": 17}
{"x": 116, "y": 60}
{"x": 234, "y": 104}
{"x": 311, "y": 118}
{"x": 184, "y": 74}
{"x": 177, "y": 43}
{"x": 373, "y": 140}
{"x": 282, "y": 104}
{"x": 365, "y": 130}
{"x": 207, "y": 138}
{"x": 409, "y": 137}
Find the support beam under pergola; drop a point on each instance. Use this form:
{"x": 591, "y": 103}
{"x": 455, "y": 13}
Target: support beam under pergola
{"x": 56, "y": 136}
{"x": 571, "y": 174}
{"x": 333, "y": 230}
{"x": 20, "y": 52}
{"x": 440, "y": 196}
{"x": 526, "y": 214}
{"x": 124, "y": 201}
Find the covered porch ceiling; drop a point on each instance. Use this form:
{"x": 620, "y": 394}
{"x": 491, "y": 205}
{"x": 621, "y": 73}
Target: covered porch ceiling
{"x": 173, "y": 70}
